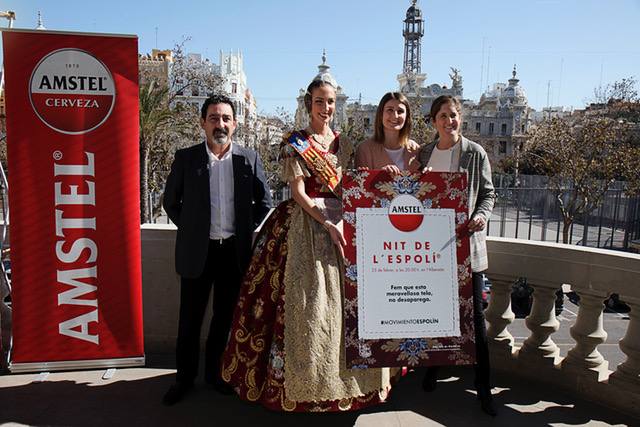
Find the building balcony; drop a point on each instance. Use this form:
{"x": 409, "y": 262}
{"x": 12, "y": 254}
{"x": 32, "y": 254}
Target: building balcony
{"x": 536, "y": 382}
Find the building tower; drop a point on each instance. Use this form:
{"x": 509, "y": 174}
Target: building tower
{"x": 412, "y": 78}
{"x": 412, "y": 33}
{"x": 339, "y": 116}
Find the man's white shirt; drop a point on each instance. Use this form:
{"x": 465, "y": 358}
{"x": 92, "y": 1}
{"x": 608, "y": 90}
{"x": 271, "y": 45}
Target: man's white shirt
{"x": 221, "y": 192}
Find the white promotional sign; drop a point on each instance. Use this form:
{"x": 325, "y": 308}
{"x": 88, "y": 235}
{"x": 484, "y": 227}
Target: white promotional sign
{"x": 407, "y": 271}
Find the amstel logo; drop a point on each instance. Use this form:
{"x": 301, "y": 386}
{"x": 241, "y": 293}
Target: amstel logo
{"x": 72, "y": 91}
{"x": 406, "y": 213}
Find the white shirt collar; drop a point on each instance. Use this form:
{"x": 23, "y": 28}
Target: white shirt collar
{"x": 213, "y": 157}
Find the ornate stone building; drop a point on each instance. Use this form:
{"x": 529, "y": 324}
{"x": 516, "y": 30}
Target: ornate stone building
{"x": 155, "y": 65}
{"x": 500, "y": 120}
{"x": 235, "y": 85}
{"x": 159, "y": 64}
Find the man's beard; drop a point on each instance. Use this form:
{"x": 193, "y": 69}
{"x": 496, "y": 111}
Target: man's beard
{"x": 220, "y": 137}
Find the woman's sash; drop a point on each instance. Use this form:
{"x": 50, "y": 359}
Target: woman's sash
{"x": 315, "y": 161}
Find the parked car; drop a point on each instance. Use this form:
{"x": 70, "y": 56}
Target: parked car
{"x": 522, "y": 298}
{"x": 616, "y": 304}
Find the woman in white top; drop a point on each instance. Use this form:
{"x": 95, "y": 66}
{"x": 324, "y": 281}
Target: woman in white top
{"x": 390, "y": 148}
{"x": 452, "y": 152}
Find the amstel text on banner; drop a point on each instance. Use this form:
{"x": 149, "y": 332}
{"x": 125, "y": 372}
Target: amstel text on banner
{"x": 68, "y": 80}
{"x": 72, "y": 137}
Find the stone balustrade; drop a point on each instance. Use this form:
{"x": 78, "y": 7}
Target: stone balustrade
{"x": 593, "y": 274}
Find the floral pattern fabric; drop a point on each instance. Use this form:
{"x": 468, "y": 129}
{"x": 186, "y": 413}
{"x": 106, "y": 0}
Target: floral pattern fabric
{"x": 286, "y": 348}
{"x": 435, "y": 190}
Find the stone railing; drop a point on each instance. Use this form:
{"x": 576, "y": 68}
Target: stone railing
{"x": 593, "y": 274}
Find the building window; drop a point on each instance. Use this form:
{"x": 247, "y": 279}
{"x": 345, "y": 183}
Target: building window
{"x": 464, "y": 126}
{"x": 195, "y": 91}
{"x": 503, "y": 147}
{"x": 503, "y": 129}
{"x": 180, "y": 84}
{"x": 478, "y": 127}
{"x": 522, "y": 128}
{"x": 234, "y": 87}
{"x": 490, "y": 128}
{"x": 367, "y": 122}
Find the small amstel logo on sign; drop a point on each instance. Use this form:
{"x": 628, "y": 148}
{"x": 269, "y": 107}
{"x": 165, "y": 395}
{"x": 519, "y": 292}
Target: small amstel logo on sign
{"x": 406, "y": 213}
{"x": 72, "y": 91}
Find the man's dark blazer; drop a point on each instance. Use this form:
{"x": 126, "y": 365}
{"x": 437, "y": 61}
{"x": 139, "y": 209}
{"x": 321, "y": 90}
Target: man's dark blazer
{"x": 187, "y": 203}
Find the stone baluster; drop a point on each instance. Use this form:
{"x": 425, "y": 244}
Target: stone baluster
{"x": 499, "y": 316}
{"x": 539, "y": 348}
{"x": 627, "y": 376}
{"x": 584, "y": 359}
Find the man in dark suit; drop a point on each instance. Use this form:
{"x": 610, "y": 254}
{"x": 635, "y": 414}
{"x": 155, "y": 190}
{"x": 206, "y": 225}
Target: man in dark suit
{"x": 216, "y": 194}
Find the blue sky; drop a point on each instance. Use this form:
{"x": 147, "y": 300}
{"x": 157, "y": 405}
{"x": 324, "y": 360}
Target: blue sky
{"x": 574, "y": 44}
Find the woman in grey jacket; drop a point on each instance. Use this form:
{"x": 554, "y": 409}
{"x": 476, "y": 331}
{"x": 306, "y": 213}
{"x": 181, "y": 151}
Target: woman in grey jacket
{"x": 452, "y": 152}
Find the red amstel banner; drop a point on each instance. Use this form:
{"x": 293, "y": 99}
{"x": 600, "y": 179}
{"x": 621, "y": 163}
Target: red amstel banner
{"x": 408, "y": 291}
{"x": 72, "y": 137}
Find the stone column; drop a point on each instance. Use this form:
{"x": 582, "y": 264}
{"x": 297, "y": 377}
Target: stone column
{"x": 539, "y": 348}
{"x": 627, "y": 376}
{"x": 584, "y": 359}
{"x": 499, "y": 316}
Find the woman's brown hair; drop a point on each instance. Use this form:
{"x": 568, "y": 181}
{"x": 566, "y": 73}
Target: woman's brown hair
{"x": 378, "y": 134}
{"x": 442, "y": 100}
{"x": 307, "y": 96}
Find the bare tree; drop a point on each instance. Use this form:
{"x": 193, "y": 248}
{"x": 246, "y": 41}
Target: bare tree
{"x": 582, "y": 157}
{"x": 354, "y": 128}
{"x": 267, "y": 133}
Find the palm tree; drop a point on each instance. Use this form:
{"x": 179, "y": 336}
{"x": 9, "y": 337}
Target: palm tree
{"x": 155, "y": 116}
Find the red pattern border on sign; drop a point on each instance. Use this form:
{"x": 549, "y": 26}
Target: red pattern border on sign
{"x": 374, "y": 188}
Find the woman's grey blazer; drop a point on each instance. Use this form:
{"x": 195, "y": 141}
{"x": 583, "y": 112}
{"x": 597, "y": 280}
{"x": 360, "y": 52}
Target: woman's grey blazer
{"x": 474, "y": 161}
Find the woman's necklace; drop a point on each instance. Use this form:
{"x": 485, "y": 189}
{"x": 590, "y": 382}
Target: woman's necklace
{"x": 323, "y": 141}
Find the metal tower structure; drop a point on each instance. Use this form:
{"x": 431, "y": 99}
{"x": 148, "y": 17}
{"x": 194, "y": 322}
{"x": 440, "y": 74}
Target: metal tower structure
{"x": 412, "y": 33}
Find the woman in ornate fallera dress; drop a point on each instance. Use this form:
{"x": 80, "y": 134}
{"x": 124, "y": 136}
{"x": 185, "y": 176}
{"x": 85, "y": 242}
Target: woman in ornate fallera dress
{"x": 286, "y": 347}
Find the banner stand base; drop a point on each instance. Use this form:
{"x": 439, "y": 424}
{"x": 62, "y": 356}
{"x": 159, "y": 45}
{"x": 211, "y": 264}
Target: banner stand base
{"x": 76, "y": 365}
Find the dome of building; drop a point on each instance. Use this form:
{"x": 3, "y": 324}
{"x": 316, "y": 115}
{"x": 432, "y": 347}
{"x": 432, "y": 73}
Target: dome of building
{"x": 514, "y": 93}
{"x": 324, "y": 74}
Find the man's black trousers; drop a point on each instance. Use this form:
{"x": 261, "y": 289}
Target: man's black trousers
{"x": 221, "y": 272}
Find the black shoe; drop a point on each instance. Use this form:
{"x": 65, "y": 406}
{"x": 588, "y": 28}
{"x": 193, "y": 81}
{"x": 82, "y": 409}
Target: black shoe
{"x": 430, "y": 380}
{"x": 221, "y": 387}
{"x": 175, "y": 393}
{"x": 486, "y": 403}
